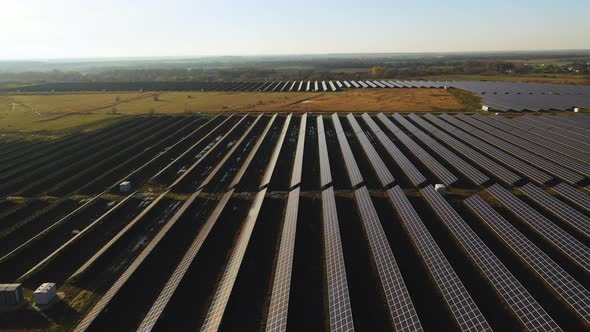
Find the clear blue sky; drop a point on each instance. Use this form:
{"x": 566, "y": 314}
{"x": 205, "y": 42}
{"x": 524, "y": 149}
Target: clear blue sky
{"x": 112, "y": 28}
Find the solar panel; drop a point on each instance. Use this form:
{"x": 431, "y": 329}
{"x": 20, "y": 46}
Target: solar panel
{"x": 516, "y": 151}
{"x": 354, "y": 174}
{"x": 401, "y": 308}
{"x": 571, "y": 247}
{"x": 275, "y": 155}
{"x": 459, "y": 164}
{"x": 562, "y": 136}
{"x": 230, "y": 273}
{"x": 563, "y": 284}
{"x": 444, "y": 175}
{"x": 404, "y": 163}
{"x": 378, "y": 165}
{"x": 573, "y": 195}
{"x": 508, "y": 160}
{"x": 556, "y": 207}
{"x": 534, "y": 147}
{"x": 279, "y": 300}
{"x": 499, "y": 171}
{"x": 248, "y": 160}
{"x": 298, "y": 162}
{"x": 151, "y": 318}
{"x": 518, "y": 299}
{"x": 340, "y": 312}
{"x": 325, "y": 172}
{"x": 98, "y": 308}
{"x": 461, "y": 305}
{"x": 546, "y": 139}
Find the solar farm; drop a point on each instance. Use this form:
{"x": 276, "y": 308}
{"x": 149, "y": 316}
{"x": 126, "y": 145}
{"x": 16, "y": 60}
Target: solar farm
{"x": 290, "y": 221}
{"x": 497, "y": 96}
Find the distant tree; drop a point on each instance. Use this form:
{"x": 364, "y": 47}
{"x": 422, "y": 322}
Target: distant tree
{"x": 118, "y": 99}
{"x": 378, "y": 71}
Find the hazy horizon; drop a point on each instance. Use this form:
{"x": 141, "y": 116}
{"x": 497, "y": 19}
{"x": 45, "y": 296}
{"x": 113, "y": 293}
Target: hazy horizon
{"x": 68, "y": 29}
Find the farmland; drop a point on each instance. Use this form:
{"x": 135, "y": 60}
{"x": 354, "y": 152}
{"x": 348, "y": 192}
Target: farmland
{"x": 58, "y": 114}
{"x": 301, "y": 220}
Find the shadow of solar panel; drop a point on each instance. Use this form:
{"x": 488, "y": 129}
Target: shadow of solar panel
{"x": 230, "y": 273}
{"x": 354, "y": 174}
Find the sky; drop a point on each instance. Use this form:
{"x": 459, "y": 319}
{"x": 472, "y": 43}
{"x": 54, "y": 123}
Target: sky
{"x": 46, "y": 29}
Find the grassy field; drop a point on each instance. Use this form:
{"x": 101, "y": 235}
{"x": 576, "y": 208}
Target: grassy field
{"x": 50, "y": 115}
{"x": 382, "y": 100}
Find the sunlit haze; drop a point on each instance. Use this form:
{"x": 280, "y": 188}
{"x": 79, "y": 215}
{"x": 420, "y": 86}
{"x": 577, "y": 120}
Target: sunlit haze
{"x": 110, "y": 28}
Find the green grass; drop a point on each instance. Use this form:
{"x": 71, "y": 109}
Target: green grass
{"x": 470, "y": 101}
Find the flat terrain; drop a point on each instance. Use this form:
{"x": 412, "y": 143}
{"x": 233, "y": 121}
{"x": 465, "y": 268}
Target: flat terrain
{"x": 382, "y": 100}
{"x": 55, "y": 114}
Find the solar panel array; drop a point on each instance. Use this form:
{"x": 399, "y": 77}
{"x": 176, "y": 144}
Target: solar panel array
{"x": 571, "y": 247}
{"x": 508, "y": 160}
{"x": 520, "y": 301}
{"x": 464, "y": 310}
{"x": 298, "y": 162}
{"x": 548, "y": 141}
{"x": 325, "y": 172}
{"x": 573, "y": 195}
{"x": 443, "y": 174}
{"x": 406, "y": 165}
{"x": 401, "y": 309}
{"x": 459, "y": 164}
{"x": 491, "y": 166}
{"x": 538, "y": 145}
{"x": 563, "y": 284}
{"x": 151, "y": 318}
{"x": 517, "y": 151}
{"x": 378, "y": 165}
{"x": 354, "y": 174}
{"x": 556, "y": 207}
{"x": 230, "y": 273}
{"x": 275, "y": 155}
{"x": 478, "y": 148}
{"x": 279, "y": 300}
{"x": 340, "y": 312}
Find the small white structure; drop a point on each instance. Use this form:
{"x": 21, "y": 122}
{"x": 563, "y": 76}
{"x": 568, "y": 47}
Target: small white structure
{"x": 440, "y": 188}
{"x": 576, "y": 109}
{"x": 11, "y": 295}
{"x": 45, "y": 293}
{"x": 125, "y": 187}
{"x": 485, "y": 108}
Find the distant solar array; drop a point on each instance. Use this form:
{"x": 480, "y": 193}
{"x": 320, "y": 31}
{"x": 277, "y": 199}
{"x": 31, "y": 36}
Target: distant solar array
{"x": 497, "y": 96}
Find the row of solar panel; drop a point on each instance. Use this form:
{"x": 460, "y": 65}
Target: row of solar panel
{"x": 401, "y": 309}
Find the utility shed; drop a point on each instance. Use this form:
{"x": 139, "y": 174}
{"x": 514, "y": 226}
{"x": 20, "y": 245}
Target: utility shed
{"x": 11, "y": 295}
{"x": 125, "y": 187}
{"x": 45, "y": 293}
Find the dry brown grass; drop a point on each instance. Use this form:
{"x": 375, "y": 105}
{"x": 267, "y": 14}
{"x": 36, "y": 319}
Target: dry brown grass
{"x": 381, "y": 100}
